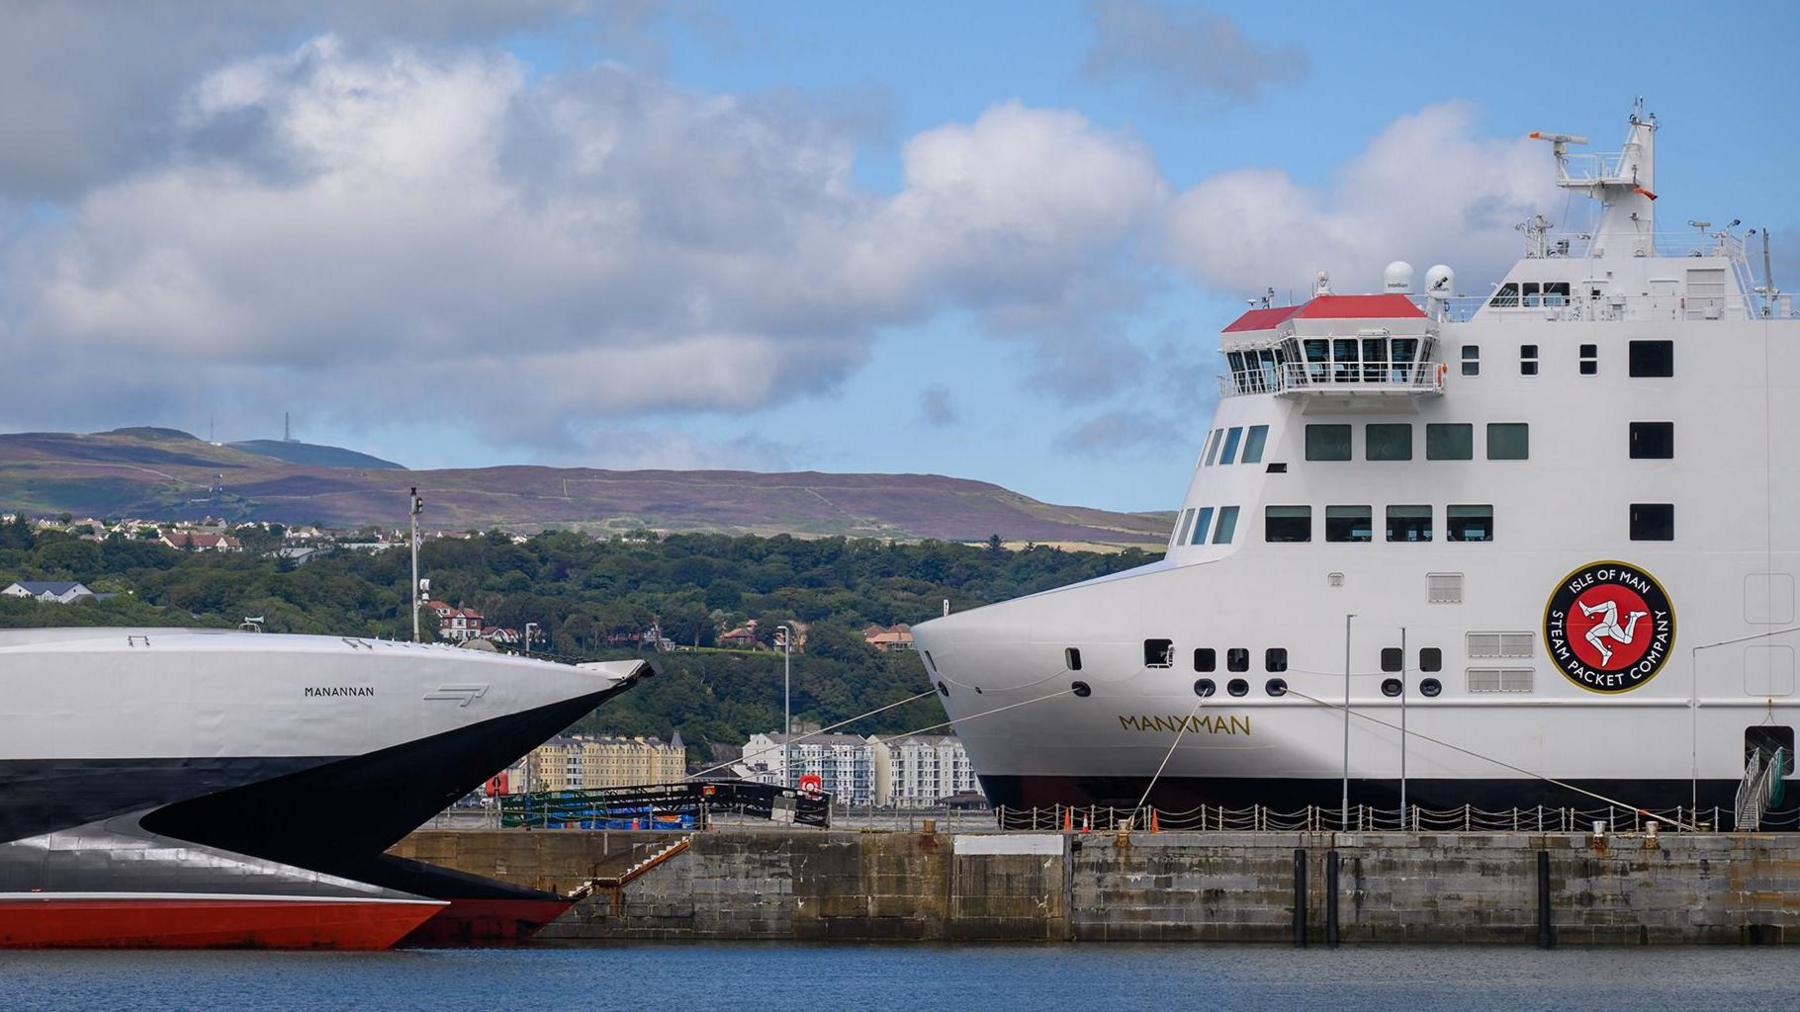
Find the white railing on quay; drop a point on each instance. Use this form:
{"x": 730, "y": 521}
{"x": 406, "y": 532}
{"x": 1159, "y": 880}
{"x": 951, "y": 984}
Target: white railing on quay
{"x": 1370, "y": 818}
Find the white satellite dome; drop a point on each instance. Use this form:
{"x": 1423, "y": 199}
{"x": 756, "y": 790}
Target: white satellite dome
{"x": 1397, "y": 277}
{"x": 1440, "y": 282}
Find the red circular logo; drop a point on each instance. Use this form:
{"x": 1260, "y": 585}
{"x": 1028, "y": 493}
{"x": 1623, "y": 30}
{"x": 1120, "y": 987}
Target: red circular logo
{"x": 812, "y": 785}
{"x": 1609, "y": 626}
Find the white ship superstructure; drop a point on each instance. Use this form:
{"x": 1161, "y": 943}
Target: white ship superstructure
{"x": 1555, "y": 525}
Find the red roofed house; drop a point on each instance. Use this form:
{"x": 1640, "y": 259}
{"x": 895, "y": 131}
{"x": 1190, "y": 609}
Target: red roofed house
{"x": 203, "y": 541}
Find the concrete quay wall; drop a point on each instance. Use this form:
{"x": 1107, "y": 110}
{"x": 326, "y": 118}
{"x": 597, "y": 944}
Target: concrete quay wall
{"x": 1392, "y": 887}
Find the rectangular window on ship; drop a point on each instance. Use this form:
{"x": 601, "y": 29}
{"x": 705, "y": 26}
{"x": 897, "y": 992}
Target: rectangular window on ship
{"x": 1201, "y": 523}
{"x": 1348, "y": 523}
{"x": 1508, "y": 441}
{"x": 1449, "y": 441}
{"x": 1387, "y": 441}
{"x": 1254, "y": 440}
{"x": 1229, "y": 454}
{"x": 1409, "y": 523}
{"x": 1469, "y": 523}
{"x": 1287, "y": 523}
{"x": 1328, "y": 442}
{"x": 1227, "y": 525}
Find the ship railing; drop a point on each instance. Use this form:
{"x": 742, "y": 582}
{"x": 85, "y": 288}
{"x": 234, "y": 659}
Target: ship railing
{"x": 1364, "y": 818}
{"x": 1300, "y": 378}
{"x": 1683, "y": 243}
{"x": 1616, "y": 308}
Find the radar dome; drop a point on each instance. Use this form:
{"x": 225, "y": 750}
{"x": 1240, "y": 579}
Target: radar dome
{"x": 1440, "y": 282}
{"x": 1398, "y": 277}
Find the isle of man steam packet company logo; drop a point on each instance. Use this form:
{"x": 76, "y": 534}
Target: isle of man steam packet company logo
{"x": 1609, "y": 627}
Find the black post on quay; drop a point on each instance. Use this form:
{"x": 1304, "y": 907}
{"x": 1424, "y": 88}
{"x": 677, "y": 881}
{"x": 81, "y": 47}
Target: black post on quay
{"x": 1331, "y": 899}
{"x": 1545, "y": 939}
{"x": 1300, "y": 898}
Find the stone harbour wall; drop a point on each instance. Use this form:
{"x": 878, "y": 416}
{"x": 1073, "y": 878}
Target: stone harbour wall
{"x": 787, "y": 885}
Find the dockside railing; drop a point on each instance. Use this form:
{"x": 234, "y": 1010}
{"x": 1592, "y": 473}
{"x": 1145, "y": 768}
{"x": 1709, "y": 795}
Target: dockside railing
{"x": 1370, "y": 818}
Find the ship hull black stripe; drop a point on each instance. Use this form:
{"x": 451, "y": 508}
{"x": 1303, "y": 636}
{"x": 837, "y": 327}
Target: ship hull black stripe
{"x": 1293, "y": 794}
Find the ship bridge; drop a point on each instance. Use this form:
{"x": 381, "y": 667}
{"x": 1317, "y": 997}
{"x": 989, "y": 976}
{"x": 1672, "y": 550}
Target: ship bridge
{"x": 1347, "y": 349}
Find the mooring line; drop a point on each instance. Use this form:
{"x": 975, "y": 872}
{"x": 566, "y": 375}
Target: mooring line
{"x": 814, "y": 734}
{"x": 1611, "y": 802}
{"x": 1195, "y": 712}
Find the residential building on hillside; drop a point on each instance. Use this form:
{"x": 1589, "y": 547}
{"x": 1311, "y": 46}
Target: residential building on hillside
{"x": 885, "y": 638}
{"x": 54, "y": 591}
{"x": 455, "y": 623}
{"x": 918, "y": 771}
{"x": 581, "y": 762}
{"x": 202, "y": 541}
{"x": 844, "y": 764}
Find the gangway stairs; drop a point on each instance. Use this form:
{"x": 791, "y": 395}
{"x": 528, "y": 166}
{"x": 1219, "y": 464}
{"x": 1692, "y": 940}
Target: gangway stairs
{"x": 1763, "y": 787}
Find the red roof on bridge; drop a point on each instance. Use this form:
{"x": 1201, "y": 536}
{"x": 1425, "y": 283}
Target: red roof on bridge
{"x": 1329, "y": 307}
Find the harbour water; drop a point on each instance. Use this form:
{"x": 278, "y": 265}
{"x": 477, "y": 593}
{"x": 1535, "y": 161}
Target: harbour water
{"x": 836, "y": 977}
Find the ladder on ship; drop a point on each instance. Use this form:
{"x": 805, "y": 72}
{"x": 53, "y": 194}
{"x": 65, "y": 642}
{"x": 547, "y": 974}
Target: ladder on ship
{"x": 1764, "y": 786}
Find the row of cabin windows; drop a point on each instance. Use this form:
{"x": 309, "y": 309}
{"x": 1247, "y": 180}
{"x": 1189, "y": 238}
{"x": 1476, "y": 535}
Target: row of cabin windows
{"x": 1443, "y": 441}
{"x": 1644, "y": 359}
{"x": 1161, "y": 654}
{"x": 1222, "y": 445}
{"x": 1199, "y": 523}
{"x": 1456, "y": 441}
{"x": 1289, "y": 524}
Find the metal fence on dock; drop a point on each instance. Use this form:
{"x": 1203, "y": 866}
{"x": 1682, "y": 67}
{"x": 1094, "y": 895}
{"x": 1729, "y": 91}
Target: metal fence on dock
{"x": 1368, "y": 818}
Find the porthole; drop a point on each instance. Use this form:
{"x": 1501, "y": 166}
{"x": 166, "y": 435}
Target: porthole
{"x": 1238, "y": 687}
{"x": 1391, "y": 687}
{"x": 1430, "y": 687}
{"x": 943, "y": 690}
{"x": 1080, "y": 689}
{"x": 1204, "y": 687}
{"x": 1072, "y": 658}
{"x": 1276, "y": 686}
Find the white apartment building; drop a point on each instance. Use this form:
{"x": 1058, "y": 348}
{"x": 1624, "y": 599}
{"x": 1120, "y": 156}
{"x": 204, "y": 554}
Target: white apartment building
{"x": 921, "y": 770}
{"x": 911, "y": 772}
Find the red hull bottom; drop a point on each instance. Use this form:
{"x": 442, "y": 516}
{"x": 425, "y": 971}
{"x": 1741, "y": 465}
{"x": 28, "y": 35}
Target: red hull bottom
{"x": 209, "y": 923}
{"x": 486, "y": 922}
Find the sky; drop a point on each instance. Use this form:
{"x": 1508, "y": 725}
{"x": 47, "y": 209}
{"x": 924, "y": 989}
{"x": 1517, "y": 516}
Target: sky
{"x": 993, "y": 240}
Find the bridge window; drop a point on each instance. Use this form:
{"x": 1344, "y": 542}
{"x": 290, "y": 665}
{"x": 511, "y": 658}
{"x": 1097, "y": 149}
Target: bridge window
{"x": 1275, "y": 659}
{"x": 1229, "y": 454}
{"x": 1181, "y": 530}
{"x": 1206, "y": 659}
{"x": 1652, "y": 358}
{"x": 1212, "y": 447}
{"x": 1652, "y": 440}
{"x": 1287, "y": 523}
{"x": 1507, "y": 297}
{"x": 1449, "y": 441}
{"x": 1652, "y": 521}
{"x": 1590, "y": 359}
{"x": 1222, "y": 534}
{"x": 1237, "y": 659}
{"x": 1159, "y": 653}
{"x": 1254, "y": 440}
{"x": 1328, "y": 442}
{"x": 1348, "y": 523}
{"x": 1387, "y": 441}
{"x": 1469, "y": 523}
{"x": 1528, "y": 360}
{"x": 1471, "y": 360}
{"x": 1201, "y": 523}
{"x": 1508, "y": 441}
{"x": 1409, "y": 523}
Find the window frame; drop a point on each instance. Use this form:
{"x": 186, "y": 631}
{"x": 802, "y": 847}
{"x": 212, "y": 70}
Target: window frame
{"x": 1444, "y": 431}
{"x": 1225, "y": 525}
{"x": 1206, "y": 660}
{"x": 1664, "y": 440}
{"x": 1652, "y": 521}
{"x": 1372, "y": 439}
{"x": 1332, "y": 428}
{"x": 1228, "y": 452}
{"x": 1347, "y": 514}
{"x": 1202, "y": 521}
{"x": 1450, "y": 516}
{"x": 1504, "y": 428}
{"x": 1256, "y": 440}
{"x": 1650, "y": 358}
{"x": 1305, "y": 513}
{"x": 1237, "y": 659}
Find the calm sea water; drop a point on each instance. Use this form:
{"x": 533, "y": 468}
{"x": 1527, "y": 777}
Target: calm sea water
{"x": 978, "y": 979}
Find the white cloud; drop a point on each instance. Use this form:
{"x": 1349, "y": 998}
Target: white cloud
{"x": 427, "y": 231}
{"x": 1426, "y": 189}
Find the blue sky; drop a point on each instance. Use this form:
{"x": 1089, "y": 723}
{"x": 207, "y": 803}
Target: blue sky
{"x": 989, "y": 240}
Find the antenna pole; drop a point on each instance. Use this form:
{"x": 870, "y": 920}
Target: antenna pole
{"x": 1768, "y": 306}
{"x": 417, "y": 505}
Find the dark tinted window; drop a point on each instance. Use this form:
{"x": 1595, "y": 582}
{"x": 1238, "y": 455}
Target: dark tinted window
{"x": 1237, "y": 659}
{"x": 1275, "y": 659}
{"x": 1328, "y": 442}
{"x": 1652, "y": 440}
{"x": 1409, "y": 523}
{"x": 1469, "y": 523}
{"x": 1072, "y": 658}
{"x": 1431, "y": 659}
{"x": 1287, "y": 523}
{"x": 1159, "y": 653}
{"x": 1254, "y": 441}
{"x": 1471, "y": 360}
{"x": 1229, "y": 454}
{"x": 1652, "y": 521}
{"x": 1205, "y": 659}
{"x": 1237, "y": 687}
{"x": 1391, "y": 658}
{"x": 1227, "y": 528}
{"x": 1653, "y": 358}
{"x": 1508, "y": 441}
{"x": 1590, "y": 354}
{"x": 1387, "y": 441}
{"x": 1449, "y": 441}
{"x": 1349, "y": 523}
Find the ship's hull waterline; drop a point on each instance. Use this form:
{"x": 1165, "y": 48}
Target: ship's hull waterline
{"x": 193, "y": 790}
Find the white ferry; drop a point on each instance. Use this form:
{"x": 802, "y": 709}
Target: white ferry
{"x": 1551, "y": 531}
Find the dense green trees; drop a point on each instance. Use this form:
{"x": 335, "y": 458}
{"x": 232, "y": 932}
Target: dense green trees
{"x": 590, "y": 599}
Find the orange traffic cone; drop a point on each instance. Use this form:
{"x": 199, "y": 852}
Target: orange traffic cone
{"x": 1153, "y": 827}
{"x": 1068, "y": 820}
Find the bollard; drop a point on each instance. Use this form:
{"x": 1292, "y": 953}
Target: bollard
{"x": 1650, "y": 830}
{"x": 928, "y": 827}
{"x": 1543, "y": 882}
{"x": 1299, "y": 899}
{"x": 1331, "y": 899}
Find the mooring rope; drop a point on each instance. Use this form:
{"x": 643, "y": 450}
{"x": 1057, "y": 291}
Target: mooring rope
{"x": 814, "y": 734}
{"x": 1195, "y": 712}
{"x": 1614, "y": 802}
